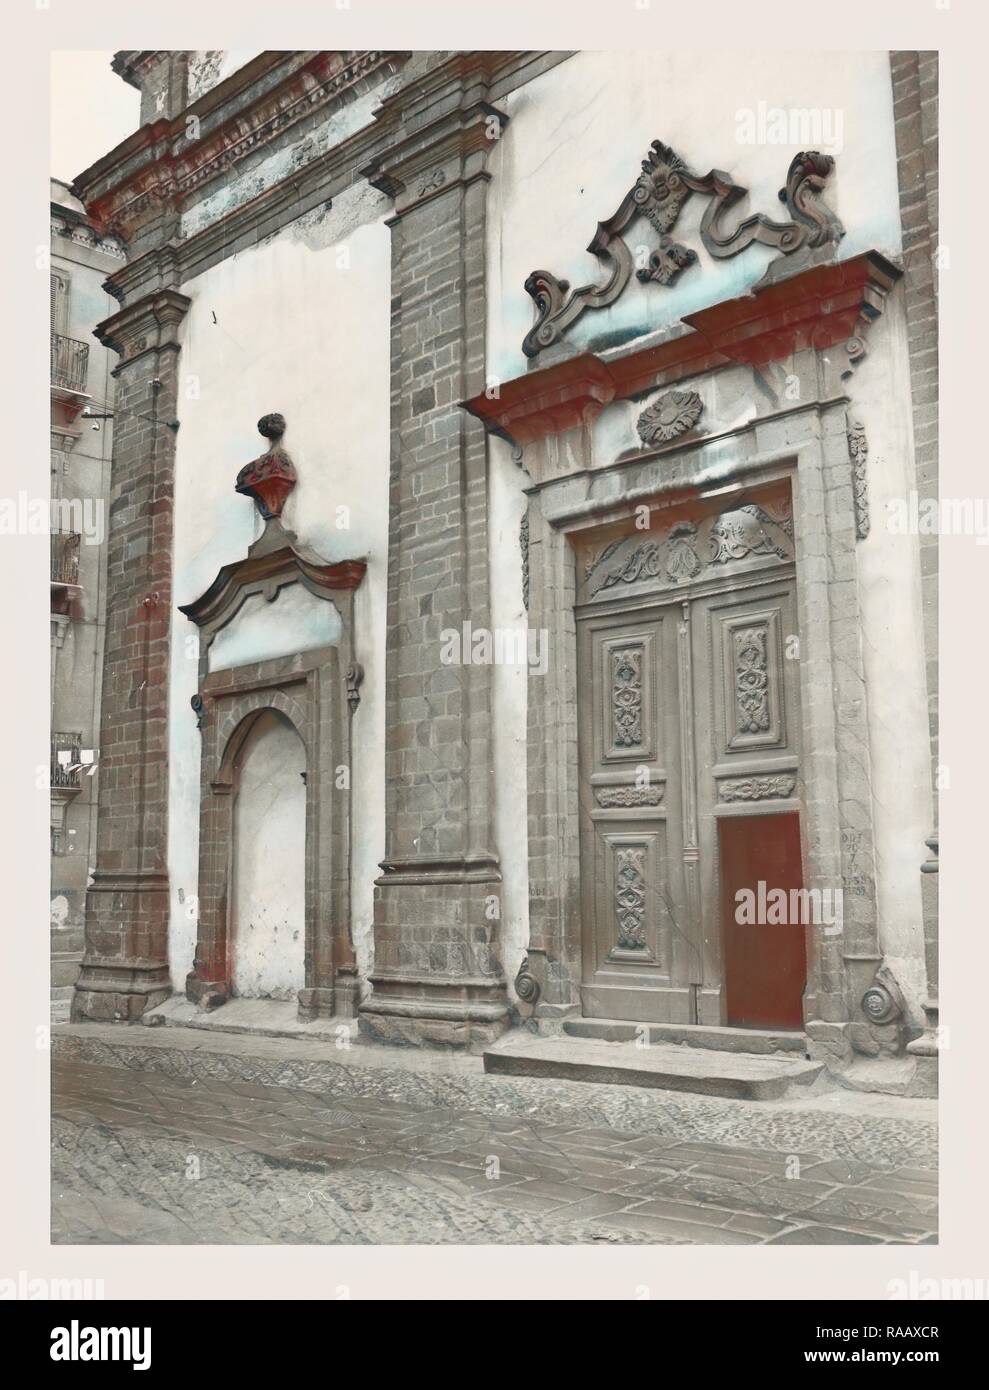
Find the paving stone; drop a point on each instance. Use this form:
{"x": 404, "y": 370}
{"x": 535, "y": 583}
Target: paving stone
{"x": 822, "y": 1235}
{"x": 386, "y": 1155}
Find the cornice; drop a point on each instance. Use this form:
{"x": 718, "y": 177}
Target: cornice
{"x": 817, "y": 308}
{"x": 438, "y": 129}
{"x": 160, "y": 165}
{"x": 150, "y": 323}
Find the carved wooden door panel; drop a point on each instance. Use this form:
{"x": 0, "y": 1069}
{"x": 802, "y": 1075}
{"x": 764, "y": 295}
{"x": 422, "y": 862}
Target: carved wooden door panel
{"x": 746, "y": 670}
{"x": 640, "y": 949}
{"x": 689, "y": 722}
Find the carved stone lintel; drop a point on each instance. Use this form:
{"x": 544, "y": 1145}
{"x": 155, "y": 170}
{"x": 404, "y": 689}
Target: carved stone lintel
{"x": 858, "y": 448}
{"x": 660, "y": 192}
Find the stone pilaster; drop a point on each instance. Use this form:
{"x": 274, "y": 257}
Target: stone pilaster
{"x": 437, "y": 977}
{"x": 124, "y": 969}
{"x": 915, "y": 98}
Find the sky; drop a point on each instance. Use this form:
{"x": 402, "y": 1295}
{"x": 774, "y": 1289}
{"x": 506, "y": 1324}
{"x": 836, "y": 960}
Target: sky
{"x": 92, "y": 109}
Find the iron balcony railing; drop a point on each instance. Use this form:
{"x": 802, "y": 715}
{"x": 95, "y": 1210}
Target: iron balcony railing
{"x": 65, "y": 769}
{"x": 65, "y": 557}
{"x": 70, "y": 363}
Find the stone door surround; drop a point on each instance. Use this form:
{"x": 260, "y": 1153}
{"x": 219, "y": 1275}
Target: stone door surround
{"x": 317, "y": 691}
{"x": 813, "y": 318}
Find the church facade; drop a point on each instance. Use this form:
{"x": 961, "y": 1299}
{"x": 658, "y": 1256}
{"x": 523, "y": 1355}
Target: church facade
{"x": 510, "y": 622}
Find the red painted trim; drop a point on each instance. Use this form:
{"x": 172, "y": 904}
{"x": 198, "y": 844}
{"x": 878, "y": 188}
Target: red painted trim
{"x": 815, "y": 308}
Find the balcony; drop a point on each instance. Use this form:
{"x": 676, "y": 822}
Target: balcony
{"x": 65, "y": 559}
{"x": 70, "y": 363}
{"x": 65, "y": 768}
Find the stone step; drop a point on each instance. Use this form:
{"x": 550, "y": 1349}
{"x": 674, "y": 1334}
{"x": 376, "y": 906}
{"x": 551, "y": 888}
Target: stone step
{"x": 752, "y": 1040}
{"x": 663, "y": 1066}
{"x": 262, "y": 1018}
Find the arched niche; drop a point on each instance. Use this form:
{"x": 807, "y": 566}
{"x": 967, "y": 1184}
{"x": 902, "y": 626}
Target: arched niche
{"x": 315, "y": 690}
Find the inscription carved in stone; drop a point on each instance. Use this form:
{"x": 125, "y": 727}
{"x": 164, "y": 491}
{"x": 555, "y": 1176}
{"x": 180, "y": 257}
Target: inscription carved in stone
{"x": 757, "y": 788}
{"x": 751, "y": 680}
{"x": 630, "y": 898}
{"x": 626, "y": 696}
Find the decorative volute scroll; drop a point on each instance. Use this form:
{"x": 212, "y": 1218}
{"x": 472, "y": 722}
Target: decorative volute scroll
{"x": 270, "y": 478}
{"x": 659, "y": 194}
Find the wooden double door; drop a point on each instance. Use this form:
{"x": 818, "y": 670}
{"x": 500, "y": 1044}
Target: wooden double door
{"x": 689, "y": 722}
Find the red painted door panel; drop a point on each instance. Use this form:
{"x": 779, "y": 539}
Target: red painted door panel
{"x": 765, "y": 960}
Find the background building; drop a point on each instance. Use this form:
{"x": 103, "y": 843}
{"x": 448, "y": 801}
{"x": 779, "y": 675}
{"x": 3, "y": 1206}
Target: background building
{"x": 674, "y": 477}
{"x": 81, "y": 381}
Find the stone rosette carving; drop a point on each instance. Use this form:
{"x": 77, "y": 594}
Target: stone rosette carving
{"x": 268, "y": 480}
{"x": 760, "y": 788}
{"x": 669, "y": 417}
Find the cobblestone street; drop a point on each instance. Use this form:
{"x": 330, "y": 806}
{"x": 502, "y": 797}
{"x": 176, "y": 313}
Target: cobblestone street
{"x": 167, "y": 1140}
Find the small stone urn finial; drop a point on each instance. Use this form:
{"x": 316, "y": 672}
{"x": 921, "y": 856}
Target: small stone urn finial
{"x": 270, "y": 478}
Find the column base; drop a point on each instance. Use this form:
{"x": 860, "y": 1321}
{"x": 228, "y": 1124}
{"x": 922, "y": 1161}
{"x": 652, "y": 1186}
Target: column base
{"x": 411, "y": 1011}
{"x": 118, "y": 991}
{"x": 927, "y": 1045}
{"x": 331, "y": 1001}
{"x": 208, "y": 994}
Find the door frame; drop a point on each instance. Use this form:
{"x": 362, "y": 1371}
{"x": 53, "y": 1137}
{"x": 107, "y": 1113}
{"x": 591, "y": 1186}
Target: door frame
{"x": 318, "y": 692}
{"x": 836, "y": 823}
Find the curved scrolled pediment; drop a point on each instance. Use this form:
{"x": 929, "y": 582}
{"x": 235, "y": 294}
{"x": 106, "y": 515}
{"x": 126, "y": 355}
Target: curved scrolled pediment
{"x": 273, "y": 562}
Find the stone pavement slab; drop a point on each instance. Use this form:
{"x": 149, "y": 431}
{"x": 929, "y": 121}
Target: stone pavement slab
{"x": 160, "y": 1138}
{"x": 660, "y": 1065}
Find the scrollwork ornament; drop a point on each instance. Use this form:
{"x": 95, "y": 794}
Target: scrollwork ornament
{"x": 526, "y": 984}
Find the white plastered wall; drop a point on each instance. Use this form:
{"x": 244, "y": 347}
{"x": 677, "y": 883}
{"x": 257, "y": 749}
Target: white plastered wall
{"x": 299, "y": 325}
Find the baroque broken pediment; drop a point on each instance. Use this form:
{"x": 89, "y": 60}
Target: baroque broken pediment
{"x": 659, "y": 194}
